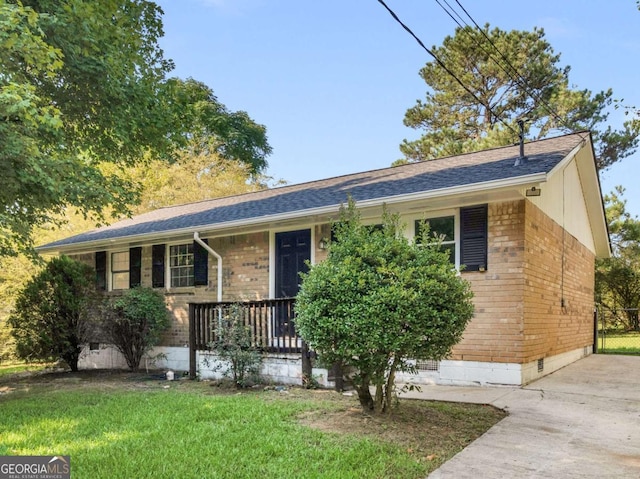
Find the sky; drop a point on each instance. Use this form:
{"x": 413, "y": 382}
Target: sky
{"x": 331, "y": 80}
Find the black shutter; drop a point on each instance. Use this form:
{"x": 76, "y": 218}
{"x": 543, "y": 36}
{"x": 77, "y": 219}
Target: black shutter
{"x": 200, "y": 265}
{"x": 158, "y": 252}
{"x": 135, "y": 267}
{"x": 101, "y": 270}
{"x": 473, "y": 238}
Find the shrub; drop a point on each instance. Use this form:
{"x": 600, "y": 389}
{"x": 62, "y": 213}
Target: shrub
{"x": 134, "y": 323}
{"x": 379, "y": 300}
{"x": 51, "y": 319}
{"x": 234, "y": 346}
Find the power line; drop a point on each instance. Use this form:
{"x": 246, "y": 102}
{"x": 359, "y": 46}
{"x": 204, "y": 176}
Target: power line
{"x": 520, "y": 80}
{"x": 442, "y": 65}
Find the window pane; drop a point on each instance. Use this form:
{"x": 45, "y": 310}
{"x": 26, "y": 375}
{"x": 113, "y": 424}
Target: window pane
{"x": 181, "y": 265}
{"x": 120, "y": 270}
{"x": 442, "y": 227}
{"x": 120, "y": 261}
{"x": 120, "y": 280}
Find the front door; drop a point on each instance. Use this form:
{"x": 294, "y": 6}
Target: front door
{"x": 293, "y": 250}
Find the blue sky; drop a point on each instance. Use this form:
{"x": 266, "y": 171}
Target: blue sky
{"x": 331, "y": 80}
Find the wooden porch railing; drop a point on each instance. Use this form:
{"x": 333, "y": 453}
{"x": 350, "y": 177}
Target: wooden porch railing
{"x": 271, "y": 322}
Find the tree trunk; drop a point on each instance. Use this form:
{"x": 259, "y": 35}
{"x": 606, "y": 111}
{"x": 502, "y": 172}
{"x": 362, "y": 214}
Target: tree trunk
{"x": 307, "y": 368}
{"x": 361, "y": 384}
{"x": 389, "y": 385}
{"x": 72, "y": 361}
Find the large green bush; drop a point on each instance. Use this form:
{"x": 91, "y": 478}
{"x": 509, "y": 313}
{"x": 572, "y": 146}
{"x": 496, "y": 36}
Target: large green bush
{"x": 52, "y": 315}
{"x": 379, "y": 300}
{"x": 134, "y": 323}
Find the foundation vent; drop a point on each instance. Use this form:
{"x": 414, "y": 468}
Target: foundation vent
{"x": 428, "y": 365}
{"x": 540, "y": 365}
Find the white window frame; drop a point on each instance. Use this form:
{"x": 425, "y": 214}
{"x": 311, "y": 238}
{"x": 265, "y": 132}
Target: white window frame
{"x": 168, "y": 268}
{"x": 111, "y": 271}
{"x": 455, "y": 212}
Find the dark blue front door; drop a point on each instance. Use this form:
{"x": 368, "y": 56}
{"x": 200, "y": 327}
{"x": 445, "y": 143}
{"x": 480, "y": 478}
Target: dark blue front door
{"x": 293, "y": 250}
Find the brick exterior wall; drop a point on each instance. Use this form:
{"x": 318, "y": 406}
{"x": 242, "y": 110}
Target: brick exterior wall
{"x": 496, "y": 331}
{"x": 245, "y": 265}
{"x": 519, "y": 315}
{"x": 559, "y": 289}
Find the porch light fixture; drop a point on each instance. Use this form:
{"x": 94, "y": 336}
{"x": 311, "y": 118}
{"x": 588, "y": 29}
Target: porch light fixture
{"x": 323, "y": 244}
{"x": 533, "y": 191}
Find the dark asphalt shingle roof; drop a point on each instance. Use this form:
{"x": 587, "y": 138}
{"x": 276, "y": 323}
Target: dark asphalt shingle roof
{"x": 471, "y": 168}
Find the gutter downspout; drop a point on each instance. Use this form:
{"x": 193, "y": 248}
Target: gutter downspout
{"x": 196, "y": 238}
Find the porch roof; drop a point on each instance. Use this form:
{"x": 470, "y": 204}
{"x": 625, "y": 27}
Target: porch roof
{"x": 471, "y": 171}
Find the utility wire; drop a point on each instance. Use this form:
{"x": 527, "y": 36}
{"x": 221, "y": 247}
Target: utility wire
{"x": 451, "y": 11}
{"x": 442, "y": 65}
{"x": 520, "y": 80}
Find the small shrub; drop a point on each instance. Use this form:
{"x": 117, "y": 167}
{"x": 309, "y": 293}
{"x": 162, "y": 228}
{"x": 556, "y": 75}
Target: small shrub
{"x": 134, "y": 323}
{"x": 234, "y": 346}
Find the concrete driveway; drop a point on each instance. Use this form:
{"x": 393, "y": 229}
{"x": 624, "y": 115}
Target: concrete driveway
{"x": 581, "y": 421}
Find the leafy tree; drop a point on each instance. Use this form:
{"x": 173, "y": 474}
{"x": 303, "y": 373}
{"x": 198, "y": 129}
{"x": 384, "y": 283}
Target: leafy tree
{"x": 618, "y": 277}
{"x": 51, "y": 319}
{"x": 191, "y": 178}
{"x": 134, "y": 323}
{"x": 7, "y": 346}
{"x": 84, "y": 84}
{"x": 379, "y": 300}
{"x": 202, "y": 126}
{"x": 513, "y": 75}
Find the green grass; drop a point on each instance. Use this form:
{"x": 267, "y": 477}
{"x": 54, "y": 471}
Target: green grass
{"x": 18, "y": 367}
{"x": 619, "y": 343}
{"x": 126, "y": 425}
{"x": 169, "y": 433}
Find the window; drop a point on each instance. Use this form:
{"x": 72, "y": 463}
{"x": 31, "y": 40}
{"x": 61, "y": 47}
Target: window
{"x": 120, "y": 270}
{"x": 444, "y": 230}
{"x": 181, "y": 265}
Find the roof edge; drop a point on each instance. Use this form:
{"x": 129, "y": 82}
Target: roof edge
{"x": 518, "y": 181}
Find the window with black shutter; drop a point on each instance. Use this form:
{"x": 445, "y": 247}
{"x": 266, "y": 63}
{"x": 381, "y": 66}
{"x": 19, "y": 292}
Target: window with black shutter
{"x": 158, "y": 252}
{"x": 101, "y": 270}
{"x": 473, "y": 238}
{"x": 200, "y": 264}
{"x": 135, "y": 267}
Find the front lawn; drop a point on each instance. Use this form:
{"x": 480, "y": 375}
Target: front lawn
{"x": 131, "y": 426}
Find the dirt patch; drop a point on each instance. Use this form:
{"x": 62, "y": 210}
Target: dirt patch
{"x": 430, "y": 431}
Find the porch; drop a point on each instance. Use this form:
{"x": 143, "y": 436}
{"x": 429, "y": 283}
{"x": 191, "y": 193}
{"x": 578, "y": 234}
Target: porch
{"x": 270, "y": 321}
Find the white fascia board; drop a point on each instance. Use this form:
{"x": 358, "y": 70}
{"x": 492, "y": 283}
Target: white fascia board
{"x": 205, "y": 230}
{"x": 567, "y": 159}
